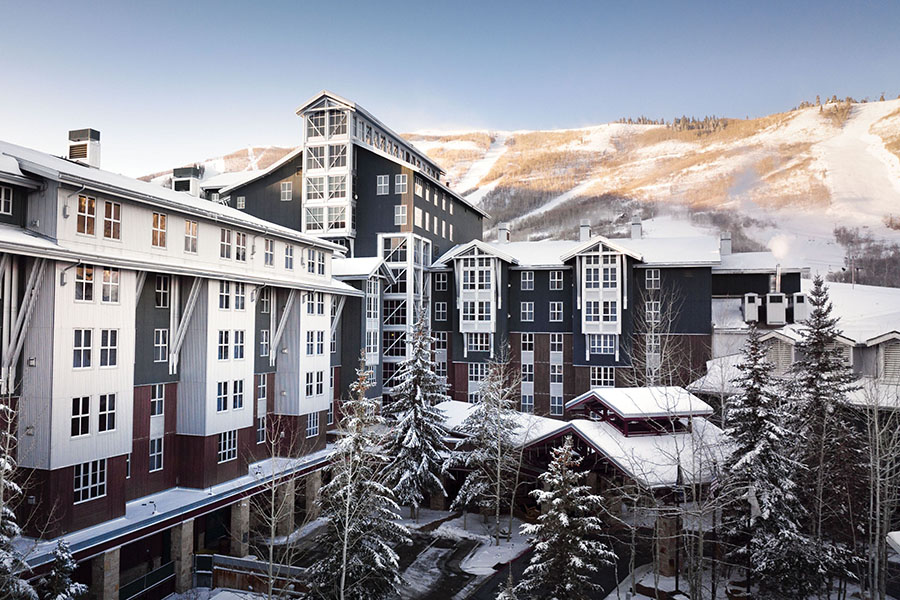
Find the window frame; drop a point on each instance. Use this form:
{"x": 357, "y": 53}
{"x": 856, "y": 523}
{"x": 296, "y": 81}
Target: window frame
{"x": 158, "y": 230}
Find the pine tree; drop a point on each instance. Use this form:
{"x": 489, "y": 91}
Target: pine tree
{"x": 509, "y": 590}
{"x": 490, "y": 455}
{"x": 415, "y": 444}
{"x": 13, "y": 586}
{"x": 828, "y": 446}
{"x": 763, "y": 519}
{"x": 568, "y": 550}
{"x": 58, "y": 584}
{"x": 359, "y": 560}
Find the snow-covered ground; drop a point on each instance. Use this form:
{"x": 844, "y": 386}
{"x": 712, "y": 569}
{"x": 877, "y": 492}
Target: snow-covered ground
{"x": 484, "y": 558}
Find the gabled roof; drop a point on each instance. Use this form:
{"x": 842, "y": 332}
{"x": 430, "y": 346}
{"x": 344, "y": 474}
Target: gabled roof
{"x": 361, "y": 268}
{"x": 263, "y": 172}
{"x": 599, "y": 239}
{"x": 645, "y": 402}
{"x": 793, "y": 332}
{"x": 885, "y": 337}
{"x": 459, "y": 251}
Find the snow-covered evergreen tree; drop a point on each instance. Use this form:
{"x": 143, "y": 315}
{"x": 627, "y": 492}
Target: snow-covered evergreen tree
{"x": 415, "y": 445}
{"x": 361, "y": 529}
{"x": 12, "y": 565}
{"x": 58, "y": 584}
{"x": 827, "y": 442}
{"x": 508, "y": 592}
{"x": 490, "y": 454}
{"x": 568, "y": 550}
{"x": 763, "y": 520}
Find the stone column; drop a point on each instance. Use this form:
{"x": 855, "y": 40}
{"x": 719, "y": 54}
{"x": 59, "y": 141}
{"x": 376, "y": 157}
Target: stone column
{"x": 285, "y": 495}
{"x": 183, "y": 555}
{"x": 669, "y": 536}
{"x": 240, "y": 527}
{"x": 105, "y": 576}
{"x": 313, "y": 483}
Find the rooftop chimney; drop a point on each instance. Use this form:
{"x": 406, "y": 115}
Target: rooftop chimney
{"x": 503, "y": 233}
{"x": 84, "y": 147}
{"x": 187, "y": 179}
{"x": 584, "y": 230}
{"x": 725, "y": 243}
{"x": 636, "y": 231}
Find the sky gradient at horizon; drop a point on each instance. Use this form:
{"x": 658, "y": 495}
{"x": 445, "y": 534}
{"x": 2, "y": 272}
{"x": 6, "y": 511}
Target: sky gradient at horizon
{"x": 169, "y": 83}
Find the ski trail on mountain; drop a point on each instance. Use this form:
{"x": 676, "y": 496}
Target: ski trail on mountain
{"x": 575, "y": 192}
{"x": 481, "y": 168}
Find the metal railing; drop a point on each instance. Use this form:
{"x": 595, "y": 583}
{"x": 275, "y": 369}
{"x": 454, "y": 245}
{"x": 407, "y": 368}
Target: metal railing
{"x": 147, "y": 582}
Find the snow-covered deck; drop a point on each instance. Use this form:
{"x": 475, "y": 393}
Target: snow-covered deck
{"x": 171, "y": 505}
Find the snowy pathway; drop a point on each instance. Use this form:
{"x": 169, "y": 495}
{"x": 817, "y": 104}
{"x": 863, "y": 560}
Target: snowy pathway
{"x": 481, "y": 168}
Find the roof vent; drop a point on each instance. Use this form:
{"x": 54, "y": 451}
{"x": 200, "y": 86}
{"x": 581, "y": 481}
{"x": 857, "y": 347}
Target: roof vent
{"x": 503, "y": 233}
{"x": 84, "y": 147}
{"x": 636, "y": 230}
{"x": 584, "y": 230}
{"x": 187, "y": 179}
{"x": 725, "y": 243}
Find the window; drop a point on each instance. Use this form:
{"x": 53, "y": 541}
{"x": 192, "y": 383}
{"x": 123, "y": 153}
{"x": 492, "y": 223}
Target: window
{"x": 556, "y": 373}
{"x": 109, "y": 347}
{"x": 399, "y": 184}
{"x": 223, "y": 344}
{"x": 311, "y": 261}
{"x": 527, "y": 280}
{"x": 82, "y": 349}
{"x": 609, "y": 311}
{"x": 652, "y": 311}
{"x": 128, "y": 466}
{"x": 440, "y": 311}
{"x": 240, "y": 246}
{"x": 237, "y": 394}
{"x": 112, "y": 220}
{"x": 315, "y": 157}
{"x": 315, "y": 218}
{"x": 329, "y": 416}
{"x": 110, "y": 286}
{"x": 310, "y": 385}
{"x": 400, "y": 214}
{"x": 264, "y": 342}
{"x": 264, "y": 296}
{"x": 240, "y": 295}
{"x": 602, "y": 343}
{"x": 527, "y": 403}
{"x": 289, "y": 257}
{"x": 592, "y": 311}
{"x": 87, "y": 215}
{"x": 262, "y": 385}
{"x": 440, "y": 340}
{"x": 591, "y": 272}
{"x": 440, "y": 282}
{"x": 320, "y": 343}
{"x": 556, "y": 280}
{"x": 337, "y": 186}
{"x": 320, "y": 383}
{"x": 157, "y": 399}
{"x": 602, "y": 377}
{"x": 310, "y": 343}
{"x": 651, "y": 279}
{"x": 484, "y": 311}
{"x": 556, "y": 312}
{"x": 337, "y": 121}
{"x": 556, "y": 342}
{"x": 191, "y": 229}
{"x": 478, "y": 342}
{"x": 610, "y": 272}
{"x": 224, "y": 243}
{"x": 417, "y": 220}
{"x": 653, "y": 344}
{"x": 227, "y": 446}
{"x": 382, "y": 185}
{"x": 337, "y": 217}
{"x": 84, "y": 283}
{"x": 238, "y": 344}
{"x": 315, "y": 125}
{"x": 287, "y": 191}
{"x": 221, "y": 396}
{"x": 90, "y": 480}
{"x": 81, "y": 416}
{"x": 527, "y": 372}
{"x": 320, "y": 303}
{"x": 556, "y": 406}
{"x": 240, "y": 203}
{"x": 156, "y": 454}
{"x": 419, "y": 188}
{"x": 107, "y": 413}
{"x": 312, "y": 425}
{"x": 162, "y": 291}
{"x": 224, "y": 295}
{"x": 260, "y": 429}
{"x": 160, "y": 345}
{"x": 5, "y": 200}
{"x": 337, "y": 157}
{"x": 527, "y": 311}
{"x": 158, "y": 233}
{"x": 269, "y": 253}
{"x": 468, "y": 311}
{"x": 527, "y": 342}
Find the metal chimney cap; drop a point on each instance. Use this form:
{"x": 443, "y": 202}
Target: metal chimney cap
{"x": 83, "y": 135}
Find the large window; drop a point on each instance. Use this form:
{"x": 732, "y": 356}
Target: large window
{"x": 337, "y": 186}
{"x": 337, "y": 217}
{"x": 109, "y": 347}
{"x": 315, "y": 188}
{"x": 312, "y": 425}
{"x": 382, "y": 185}
{"x": 315, "y": 157}
{"x": 603, "y": 377}
{"x": 158, "y": 233}
{"x": 556, "y": 406}
{"x": 221, "y": 396}
{"x": 610, "y": 314}
{"x": 651, "y": 278}
{"x": 527, "y": 403}
{"x": 87, "y": 215}
{"x": 556, "y": 280}
{"x": 81, "y": 358}
{"x": 81, "y": 416}
{"x": 110, "y": 286}
{"x": 603, "y": 343}
{"x": 315, "y": 125}
{"x": 315, "y": 218}
{"x": 400, "y": 184}
{"x": 337, "y": 123}
{"x": 337, "y": 156}
{"x": 160, "y": 345}
{"x": 610, "y": 272}
{"x": 478, "y": 342}
{"x": 440, "y": 311}
{"x": 556, "y": 312}
{"x": 157, "y": 399}
{"x": 112, "y": 220}
{"x": 237, "y": 394}
{"x": 224, "y": 243}
{"x": 556, "y": 373}
{"x": 527, "y": 372}
{"x": 592, "y": 272}
{"x": 107, "y": 413}
{"x": 526, "y": 310}
{"x": 84, "y": 283}
{"x": 191, "y": 233}
{"x": 90, "y": 480}
{"x": 527, "y": 342}
{"x": 556, "y": 342}
{"x": 156, "y": 454}
{"x": 227, "y": 446}
{"x": 527, "y": 280}
{"x": 592, "y": 311}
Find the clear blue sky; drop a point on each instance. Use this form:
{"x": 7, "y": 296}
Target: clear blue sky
{"x": 169, "y": 83}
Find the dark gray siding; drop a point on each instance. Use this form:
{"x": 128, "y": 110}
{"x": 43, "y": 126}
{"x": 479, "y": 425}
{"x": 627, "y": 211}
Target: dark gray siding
{"x": 149, "y": 317}
{"x": 18, "y": 207}
{"x": 542, "y": 295}
{"x": 263, "y": 196}
{"x": 374, "y": 213}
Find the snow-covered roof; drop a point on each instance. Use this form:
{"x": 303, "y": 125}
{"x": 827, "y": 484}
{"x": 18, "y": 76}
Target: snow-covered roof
{"x": 720, "y": 373}
{"x": 751, "y": 262}
{"x": 492, "y": 249}
{"x": 875, "y": 392}
{"x": 646, "y": 402}
{"x": 532, "y": 428}
{"x": 263, "y": 172}
{"x": 227, "y": 179}
{"x": 16, "y": 238}
{"x": 728, "y": 313}
{"x": 866, "y": 311}
{"x": 361, "y": 267}
{"x": 893, "y": 539}
{"x": 615, "y": 244}
{"x": 60, "y": 169}
{"x": 661, "y": 251}
{"x": 544, "y": 253}
{"x": 11, "y": 173}
{"x": 655, "y": 460}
